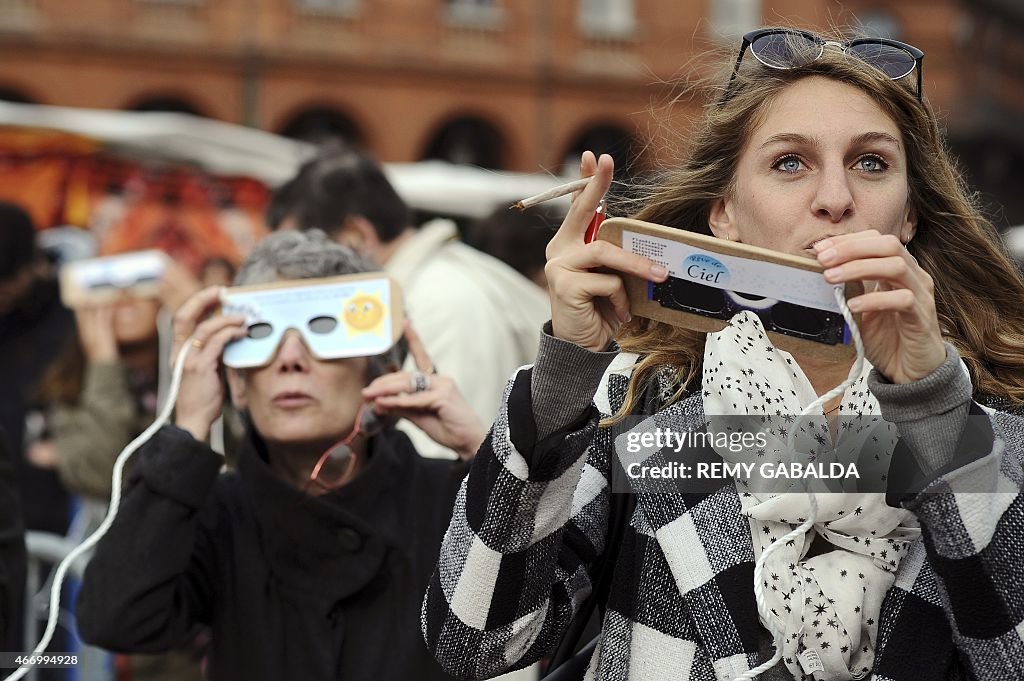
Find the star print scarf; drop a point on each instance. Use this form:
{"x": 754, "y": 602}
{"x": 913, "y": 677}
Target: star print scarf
{"x": 826, "y": 606}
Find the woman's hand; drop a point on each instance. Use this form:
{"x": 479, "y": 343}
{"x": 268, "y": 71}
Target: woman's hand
{"x": 96, "y": 333}
{"x": 438, "y": 409}
{"x": 201, "y": 396}
{"x": 898, "y": 322}
{"x": 589, "y": 307}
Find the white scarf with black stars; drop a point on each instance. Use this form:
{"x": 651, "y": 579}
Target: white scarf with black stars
{"x": 827, "y": 605}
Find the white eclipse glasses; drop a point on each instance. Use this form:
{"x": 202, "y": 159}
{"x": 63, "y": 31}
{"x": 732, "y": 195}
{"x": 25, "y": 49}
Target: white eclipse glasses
{"x": 356, "y": 315}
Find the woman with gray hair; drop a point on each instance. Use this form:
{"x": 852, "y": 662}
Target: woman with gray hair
{"x": 296, "y": 580}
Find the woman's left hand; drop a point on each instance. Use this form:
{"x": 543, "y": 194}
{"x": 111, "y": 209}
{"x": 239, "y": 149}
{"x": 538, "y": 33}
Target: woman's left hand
{"x": 431, "y": 401}
{"x": 898, "y": 322}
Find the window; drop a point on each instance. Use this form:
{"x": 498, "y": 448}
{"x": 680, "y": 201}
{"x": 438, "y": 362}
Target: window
{"x": 470, "y": 141}
{"x": 335, "y": 7}
{"x": 320, "y": 124}
{"x": 880, "y": 24}
{"x": 8, "y": 94}
{"x": 19, "y": 15}
{"x": 607, "y": 18}
{"x": 166, "y": 104}
{"x": 479, "y": 13}
{"x": 730, "y": 19}
{"x": 605, "y": 138}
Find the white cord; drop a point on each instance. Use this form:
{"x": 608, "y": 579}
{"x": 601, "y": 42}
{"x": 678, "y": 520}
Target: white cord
{"x": 812, "y": 514}
{"x": 115, "y": 503}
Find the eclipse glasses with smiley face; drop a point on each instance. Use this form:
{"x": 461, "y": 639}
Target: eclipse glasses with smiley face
{"x": 357, "y": 315}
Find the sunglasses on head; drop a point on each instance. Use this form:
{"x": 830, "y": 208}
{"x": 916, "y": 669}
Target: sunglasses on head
{"x": 781, "y": 48}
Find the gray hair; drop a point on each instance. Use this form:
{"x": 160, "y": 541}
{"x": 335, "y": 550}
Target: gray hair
{"x": 299, "y": 255}
{"x": 290, "y": 255}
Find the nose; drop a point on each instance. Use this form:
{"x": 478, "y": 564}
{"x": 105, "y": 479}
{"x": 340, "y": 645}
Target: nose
{"x": 833, "y": 199}
{"x": 292, "y": 355}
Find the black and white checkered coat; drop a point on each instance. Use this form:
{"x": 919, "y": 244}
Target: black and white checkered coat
{"x": 530, "y": 521}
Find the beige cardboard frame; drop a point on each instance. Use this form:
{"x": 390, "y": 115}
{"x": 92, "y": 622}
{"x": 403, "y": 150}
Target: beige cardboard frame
{"x": 639, "y": 305}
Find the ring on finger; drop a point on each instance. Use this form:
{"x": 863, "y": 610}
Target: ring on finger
{"x": 419, "y": 382}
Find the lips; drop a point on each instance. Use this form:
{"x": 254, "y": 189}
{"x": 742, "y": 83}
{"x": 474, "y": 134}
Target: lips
{"x": 809, "y": 249}
{"x": 291, "y": 399}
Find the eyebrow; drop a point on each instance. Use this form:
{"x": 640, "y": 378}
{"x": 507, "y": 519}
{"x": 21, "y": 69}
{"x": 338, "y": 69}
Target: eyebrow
{"x": 859, "y": 140}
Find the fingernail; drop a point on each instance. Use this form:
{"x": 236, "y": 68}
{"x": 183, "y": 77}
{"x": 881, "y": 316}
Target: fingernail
{"x": 834, "y": 274}
{"x": 627, "y": 318}
{"x": 659, "y": 271}
{"x": 854, "y": 304}
{"x": 822, "y": 245}
{"x": 827, "y": 256}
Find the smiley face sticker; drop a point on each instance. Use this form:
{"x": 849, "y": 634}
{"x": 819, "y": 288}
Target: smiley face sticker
{"x": 363, "y": 313}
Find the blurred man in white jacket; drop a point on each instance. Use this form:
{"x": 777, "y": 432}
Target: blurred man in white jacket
{"x": 479, "y": 319}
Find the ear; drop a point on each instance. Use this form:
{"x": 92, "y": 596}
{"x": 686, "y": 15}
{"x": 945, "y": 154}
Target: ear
{"x": 237, "y": 382}
{"x": 722, "y": 221}
{"x": 909, "y": 227}
{"x": 358, "y": 234}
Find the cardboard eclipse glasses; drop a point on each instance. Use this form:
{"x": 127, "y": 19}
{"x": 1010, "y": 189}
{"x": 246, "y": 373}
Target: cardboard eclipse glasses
{"x": 357, "y": 315}
{"x": 104, "y": 280}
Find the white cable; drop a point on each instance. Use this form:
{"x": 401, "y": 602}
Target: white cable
{"x": 115, "y": 503}
{"x": 812, "y": 514}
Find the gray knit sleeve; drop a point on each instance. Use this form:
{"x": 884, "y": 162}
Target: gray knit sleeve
{"x": 565, "y": 378}
{"x": 930, "y": 413}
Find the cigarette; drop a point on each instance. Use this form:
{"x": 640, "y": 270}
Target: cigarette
{"x": 553, "y": 193}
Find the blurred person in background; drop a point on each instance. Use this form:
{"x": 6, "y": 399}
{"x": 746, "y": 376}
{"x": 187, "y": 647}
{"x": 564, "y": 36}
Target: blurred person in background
{"x": 12, "y": 554}
{"x": 102, "y": 391}
{"x": 34, "y": 326}
{"x": 217, "y": 272}
{"x": 517, "y": 238}
{"x": 477, "y": 316}
{"x": 299, "y": 571}
{"x": 99, "y": 396}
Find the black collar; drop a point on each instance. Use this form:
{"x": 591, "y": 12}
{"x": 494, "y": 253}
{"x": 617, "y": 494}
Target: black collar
{"x": 331, "y": 546}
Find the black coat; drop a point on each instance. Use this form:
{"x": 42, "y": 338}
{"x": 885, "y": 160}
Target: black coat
{"x": 12, "y": 556}
{"x": 291, "y": 586}
{"x": 31, "y": 337}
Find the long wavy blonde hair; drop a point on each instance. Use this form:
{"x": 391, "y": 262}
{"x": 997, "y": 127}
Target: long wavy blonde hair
{"x": 979, "y": 294}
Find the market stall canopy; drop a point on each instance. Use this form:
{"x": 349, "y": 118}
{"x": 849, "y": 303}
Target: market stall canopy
{"x": 468, "y": 191}
{"x": 227, "y": 149}
{"x": 219, "y": 148}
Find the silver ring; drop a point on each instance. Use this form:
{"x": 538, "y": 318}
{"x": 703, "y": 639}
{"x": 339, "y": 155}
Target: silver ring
{"x": 419, "y": 382}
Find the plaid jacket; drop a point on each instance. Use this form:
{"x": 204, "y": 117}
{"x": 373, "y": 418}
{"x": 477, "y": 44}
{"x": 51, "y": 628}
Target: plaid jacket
{"x": 529, "y": 525}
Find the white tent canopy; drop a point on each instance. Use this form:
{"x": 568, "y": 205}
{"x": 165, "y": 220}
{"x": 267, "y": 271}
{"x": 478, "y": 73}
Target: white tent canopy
{"x": 441, "y": 187}
{"x": 228, "y": 149}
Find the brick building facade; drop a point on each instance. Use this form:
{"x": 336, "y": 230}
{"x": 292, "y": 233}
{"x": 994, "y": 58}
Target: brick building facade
{"x": 513, "y": 84}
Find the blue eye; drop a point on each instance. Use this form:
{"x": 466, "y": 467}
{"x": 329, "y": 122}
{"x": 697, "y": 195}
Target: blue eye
{"x": 872, "y": 164}
{"x": 788, "y": 164}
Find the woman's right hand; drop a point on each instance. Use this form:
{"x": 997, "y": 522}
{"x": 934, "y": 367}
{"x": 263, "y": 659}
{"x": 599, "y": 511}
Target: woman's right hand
{"x": 201, "y": 395}
{"x": 588, "y": 307}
